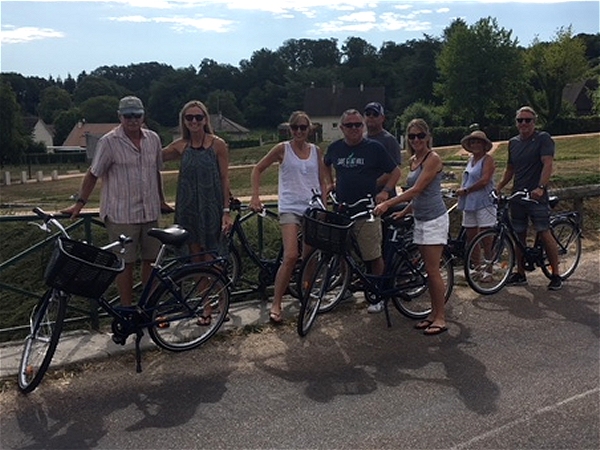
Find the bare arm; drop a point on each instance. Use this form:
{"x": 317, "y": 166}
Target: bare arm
{"x": 548, "y": 162}
{"x": 86, "y": 189}
{"x": 509, "y": 172}
{"x": 222, "y": 151}
{"x": 391, "y": 181}
{"x": 274, "y": 155}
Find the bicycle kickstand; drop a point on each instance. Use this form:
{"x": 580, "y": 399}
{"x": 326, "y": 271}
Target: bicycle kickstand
{"x": 387, "y": 312}
{"x": 138, "y": 352}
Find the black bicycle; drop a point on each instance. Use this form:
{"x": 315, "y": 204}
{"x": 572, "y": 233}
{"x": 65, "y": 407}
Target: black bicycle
{"x": 491, "y": 257}
{"x": 178, "y": 294}
{"x": 404, "y": 280}
{"x": 262, "y": 258}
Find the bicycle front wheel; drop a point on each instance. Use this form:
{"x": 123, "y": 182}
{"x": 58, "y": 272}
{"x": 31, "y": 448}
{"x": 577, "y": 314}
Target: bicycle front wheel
{"x": 46, "y": 322}
{"x": 337, "y": 285}
{"x": 188, "y": 312}
{"x": 416, "y": 301}
{"x": 568, "y": 243}
{"x": 314, "y": 291}
{"x": 489, "y": 262}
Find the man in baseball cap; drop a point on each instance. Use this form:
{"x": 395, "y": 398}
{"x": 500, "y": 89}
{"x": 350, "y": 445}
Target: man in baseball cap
{"x": 131, "y": 105}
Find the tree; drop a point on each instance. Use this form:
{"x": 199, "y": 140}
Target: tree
{"x": 64, "y": 123}
{"x": 480, "y": 71}
{"x": 171, "y": 92}
{"x": 224, "y": 102}
{"x": 95, "y": 86}
{"x": 13, "y": 138}
{"x": 101, "y": 109}
{"x": 301, "y": 54}
{"x": 52, "y": 101}
{"x": 551, "y": 66}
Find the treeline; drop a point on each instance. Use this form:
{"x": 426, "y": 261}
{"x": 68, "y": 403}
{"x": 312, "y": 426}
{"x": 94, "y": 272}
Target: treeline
{"x": 472, "y": 73}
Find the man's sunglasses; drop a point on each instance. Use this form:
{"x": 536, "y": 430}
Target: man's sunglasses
{"x": 371, "y": 113}
{"x": 352, "y": 125}
{"x": 299, "y": 127}
{"x": 524, "y": 119}
{"x": 191, "y": 117}
{"x": 132, "y": 116}
{"x": 412, "y": 137}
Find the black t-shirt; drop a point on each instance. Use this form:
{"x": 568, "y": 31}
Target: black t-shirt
{"x": 357, "y": 168}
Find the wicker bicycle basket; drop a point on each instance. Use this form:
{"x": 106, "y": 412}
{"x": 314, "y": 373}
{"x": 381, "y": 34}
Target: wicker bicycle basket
{"x": 326, "y": 230}
{"x": 82, "y": 269}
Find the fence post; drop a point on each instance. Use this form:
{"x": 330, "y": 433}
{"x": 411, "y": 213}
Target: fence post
{"x": 7, "y": 178}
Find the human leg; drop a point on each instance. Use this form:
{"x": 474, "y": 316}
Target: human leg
{"x": 289, "y": 235}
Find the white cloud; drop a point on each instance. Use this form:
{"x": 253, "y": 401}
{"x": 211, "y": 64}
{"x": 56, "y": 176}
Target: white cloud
{"x": 183, "y": 24}
{"x": 14, "y": 35}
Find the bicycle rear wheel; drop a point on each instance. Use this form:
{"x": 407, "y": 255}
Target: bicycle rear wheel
{"x": 568, "y": 242}
{"x": 489, "y": 262}
{"x": 46, "y": 324}
{"x": 416, "y": 301}
{"x": 190, "y": 311}
{"x": 339, "y": 278}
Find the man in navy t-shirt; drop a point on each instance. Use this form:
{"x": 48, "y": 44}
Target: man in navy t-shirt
{"x": 358, "y": 163}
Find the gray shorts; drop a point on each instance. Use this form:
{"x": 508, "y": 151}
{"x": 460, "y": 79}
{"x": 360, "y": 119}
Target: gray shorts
{"x": 147, "y": 246}
{"x": 522, "y": 211}
{"x": 290, "y": 218}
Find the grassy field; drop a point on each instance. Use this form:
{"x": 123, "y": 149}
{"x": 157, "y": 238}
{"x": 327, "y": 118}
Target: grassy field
{"x": 577, "y": 163}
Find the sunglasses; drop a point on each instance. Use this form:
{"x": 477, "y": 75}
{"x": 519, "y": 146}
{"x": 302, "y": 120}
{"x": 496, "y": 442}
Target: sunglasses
{"x": 191, "y": 117}
{"x": 352, "y": 125}
{"x": 524, "y": 119}
{"x": 371, "y": 114}
{"x": 299, "y": 127}
{"x": 412, "y": 137}
{"x": 132, "y": 116}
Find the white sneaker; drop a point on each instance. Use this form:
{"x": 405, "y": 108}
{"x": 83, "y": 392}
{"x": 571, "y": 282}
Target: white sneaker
{"x": 376, "y": 308}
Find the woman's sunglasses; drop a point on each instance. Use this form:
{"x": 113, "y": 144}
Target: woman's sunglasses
{"x": 299, "y": 127}
{"x": 198, "y": 117}
{"x": 412, "y": 137}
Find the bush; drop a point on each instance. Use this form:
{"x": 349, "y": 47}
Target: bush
{"x": 574, "y": 125}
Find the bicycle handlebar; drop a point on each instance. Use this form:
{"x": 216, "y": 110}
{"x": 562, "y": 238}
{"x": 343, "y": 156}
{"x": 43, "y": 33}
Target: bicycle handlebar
{"x": 49, "y": 218}
{"x": 524, "y": 195}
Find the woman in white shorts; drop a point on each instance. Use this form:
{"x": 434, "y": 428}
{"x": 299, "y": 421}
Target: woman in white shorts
{"x": 431, "y": 217}
{"x": 478, "y": 208}
{"x": 301, "y": 170}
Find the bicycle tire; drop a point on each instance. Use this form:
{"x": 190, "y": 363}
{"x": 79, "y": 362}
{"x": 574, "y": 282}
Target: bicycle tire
{"x": 415, "y": 303}
{"x": 492, "y": 275}
{"x": 175, "y": 319}
{"x": 338, "y": 284}
{"x": 234, "y": 265}
{"x": 46, "y": 324}
{"x": 314, "y": 292}
{"x": 568, "y": 241}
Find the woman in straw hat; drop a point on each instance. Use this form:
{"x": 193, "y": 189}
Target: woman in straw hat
{"x": 479, "y": 211}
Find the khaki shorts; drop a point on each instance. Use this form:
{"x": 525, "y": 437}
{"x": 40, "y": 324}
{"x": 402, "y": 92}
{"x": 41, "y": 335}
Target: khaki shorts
{"x": 148, "y": 246}
{"x": 369, "y": 238}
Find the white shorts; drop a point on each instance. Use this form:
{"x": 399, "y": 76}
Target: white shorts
{"x": 432, "y": 232}
{"x": 484, "y": 217}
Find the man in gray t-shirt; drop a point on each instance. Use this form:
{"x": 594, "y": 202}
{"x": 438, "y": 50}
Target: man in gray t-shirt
{"x": 530, "y": 162}
{"x": 374, "y": 119}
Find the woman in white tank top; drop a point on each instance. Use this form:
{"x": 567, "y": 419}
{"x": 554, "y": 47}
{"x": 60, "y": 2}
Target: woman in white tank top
{"x": 301, "y": 169}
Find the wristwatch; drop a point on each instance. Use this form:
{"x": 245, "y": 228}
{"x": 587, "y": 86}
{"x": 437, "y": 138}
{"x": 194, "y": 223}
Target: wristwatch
{"x": 80, "y": 200}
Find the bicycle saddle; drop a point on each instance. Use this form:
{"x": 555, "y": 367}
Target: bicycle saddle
{"x": 173, "y": 235}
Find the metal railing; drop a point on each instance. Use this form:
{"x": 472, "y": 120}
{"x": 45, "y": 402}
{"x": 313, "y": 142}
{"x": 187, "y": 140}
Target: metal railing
{"x": 87, "y": 228}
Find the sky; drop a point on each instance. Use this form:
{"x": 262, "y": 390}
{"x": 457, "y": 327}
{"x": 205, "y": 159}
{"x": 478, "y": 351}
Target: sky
{"x": 60, "y": 38}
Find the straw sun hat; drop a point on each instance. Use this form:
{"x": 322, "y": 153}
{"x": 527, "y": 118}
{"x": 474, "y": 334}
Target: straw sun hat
{"x": 478, "y": 134}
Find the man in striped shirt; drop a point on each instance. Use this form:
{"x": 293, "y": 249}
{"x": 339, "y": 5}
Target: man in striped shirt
{"x": 128, "y": 160}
